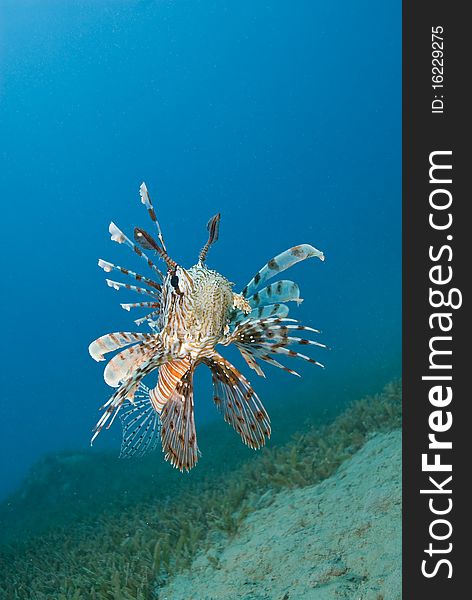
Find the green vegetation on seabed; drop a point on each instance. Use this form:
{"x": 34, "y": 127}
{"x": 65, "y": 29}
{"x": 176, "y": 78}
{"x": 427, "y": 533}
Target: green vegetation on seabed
{"x": 123, "y": 553}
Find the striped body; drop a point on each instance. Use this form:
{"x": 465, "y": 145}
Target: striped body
{"x": 169, "y": 375}
{"x": 194, "y": 310}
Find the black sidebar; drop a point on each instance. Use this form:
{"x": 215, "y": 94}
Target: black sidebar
{"x": 437, "y": 328}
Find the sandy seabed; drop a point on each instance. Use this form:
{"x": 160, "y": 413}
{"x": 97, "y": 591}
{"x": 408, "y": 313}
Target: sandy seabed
{"x": 336, "y": 540}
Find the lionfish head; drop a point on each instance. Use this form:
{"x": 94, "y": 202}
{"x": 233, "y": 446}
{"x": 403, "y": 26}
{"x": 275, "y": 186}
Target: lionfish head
{"x": 177, "y": 280}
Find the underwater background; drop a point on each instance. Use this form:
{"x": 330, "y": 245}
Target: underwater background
{"x": 286, "y": 118}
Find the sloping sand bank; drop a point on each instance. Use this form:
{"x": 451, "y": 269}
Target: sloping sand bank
{"x": 337, "y": 540}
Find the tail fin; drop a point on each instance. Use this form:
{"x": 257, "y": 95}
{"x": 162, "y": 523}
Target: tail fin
{"x": 239, "y": 403}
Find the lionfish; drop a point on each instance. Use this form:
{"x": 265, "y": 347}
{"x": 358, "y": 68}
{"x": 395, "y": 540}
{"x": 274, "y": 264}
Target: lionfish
{"x": 193, "y": 310}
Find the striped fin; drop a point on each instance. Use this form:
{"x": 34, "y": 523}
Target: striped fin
{"x": 264, "y": 337}
{"x": 262, "y": 312}
{"x": 128, "y": 307}
{"x": 178, "y": 434}
{"x": 280, "y": 263}
{"x": 148, "y": 317}
{"x": 304, "y": 342}
{"x": 249, "y": 325}
{"x": 146, "y": 200}
{"x": 147, "y": 241}
{"x": 281, "y": 291}
{"x": 273, "y": 324}
{"x": 126, "y": 391}
{"x": 121, "y": 366}
{"x": 108, "y": 267}
{"x": 252, "y": 363}
{"x": 282, "y": 350}
{"x": 114, "y": 341}
{"x": 238, "y": 402}
{"x": 271, "y": 361}
{"x": 116, "y": 285}
{"x": 118, "y": 236}
{"x": 169, "y": 375}
{"x": 261, "y": 354}
{"x": 141, "y": 425}
{"x": 270, "y": 310}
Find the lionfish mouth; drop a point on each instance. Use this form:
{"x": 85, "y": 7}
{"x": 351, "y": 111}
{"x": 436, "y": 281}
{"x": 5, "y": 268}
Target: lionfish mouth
{"x": 257, "y": 324}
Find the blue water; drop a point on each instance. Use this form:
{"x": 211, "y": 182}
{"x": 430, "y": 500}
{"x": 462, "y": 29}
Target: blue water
{"x": 283, "y": 116}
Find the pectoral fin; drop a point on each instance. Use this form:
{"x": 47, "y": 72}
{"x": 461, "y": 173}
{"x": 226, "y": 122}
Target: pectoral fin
{"x": 239, "y": 403}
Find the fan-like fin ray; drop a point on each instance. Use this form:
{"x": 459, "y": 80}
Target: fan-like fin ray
{"x": 264, "y": 337}
{"x": 141, "y": 425}
{"x": 126, "y": 391}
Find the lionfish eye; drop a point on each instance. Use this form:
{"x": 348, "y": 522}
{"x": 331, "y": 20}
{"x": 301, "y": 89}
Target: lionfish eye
{"x": 174, "y": 281}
